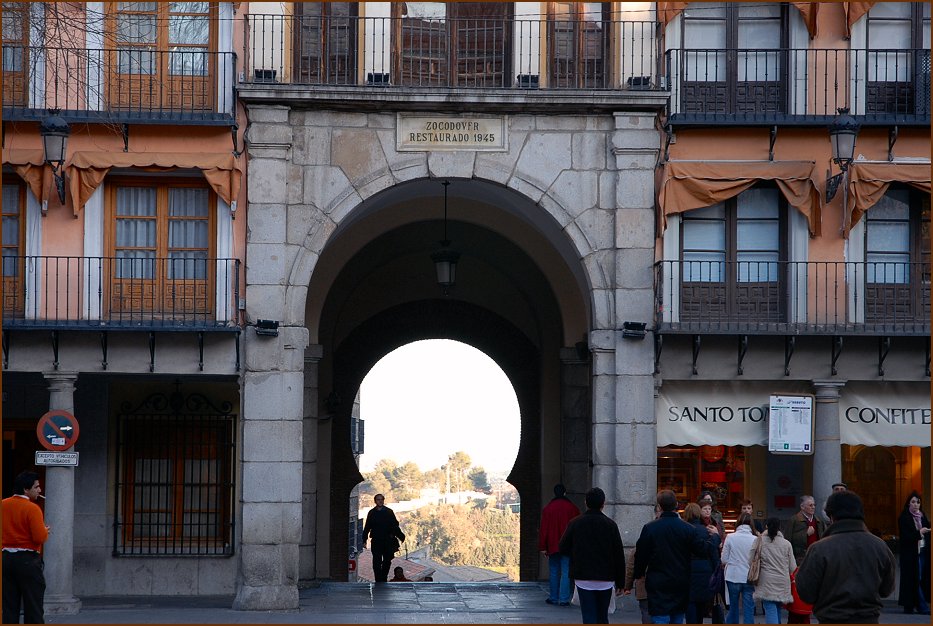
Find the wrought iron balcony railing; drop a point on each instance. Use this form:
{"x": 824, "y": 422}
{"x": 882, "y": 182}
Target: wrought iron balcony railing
{"x": 807, "y": 298}
{"x": 137, "y": 85}
{"x": 771, "y": 86}
{"x": 489, "y": 53}
{"x": 121, "y": 293}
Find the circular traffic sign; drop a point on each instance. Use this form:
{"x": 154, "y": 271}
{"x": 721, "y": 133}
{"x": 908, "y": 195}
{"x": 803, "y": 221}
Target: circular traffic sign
{"x": 57, "y": 430}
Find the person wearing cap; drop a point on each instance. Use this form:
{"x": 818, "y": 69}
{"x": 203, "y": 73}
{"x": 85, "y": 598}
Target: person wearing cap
{"x": 837, "y": 488}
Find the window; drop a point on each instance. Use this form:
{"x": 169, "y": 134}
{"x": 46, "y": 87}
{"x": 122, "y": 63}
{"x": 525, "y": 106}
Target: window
{"x": 462, "y": 44}
{"x": 326, "y": 47}
{"x": 578, "y": 41}
{"x": 14, "y": 240}
{"x": 734, "y": 57}
{"x": 15, "y": 34}
{"x": 731, "y": 256}
{"x": 161, "y": 248}
{"x": 175, "y": 488}
{"x": 162, "y": 55}
{"x": 897, "y": 258}
{"x": 897, "y": 63}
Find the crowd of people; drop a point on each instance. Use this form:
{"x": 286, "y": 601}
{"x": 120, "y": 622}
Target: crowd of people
{"x": 683, "y": 564}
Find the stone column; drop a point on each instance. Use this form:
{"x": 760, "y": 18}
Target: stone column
{"x": 827, "y": 449}
{"x": 307, "y": 562}
{"x": 59, "y": 489}
{"x": 624, "y": 434}
{"x": 273, "y": 383}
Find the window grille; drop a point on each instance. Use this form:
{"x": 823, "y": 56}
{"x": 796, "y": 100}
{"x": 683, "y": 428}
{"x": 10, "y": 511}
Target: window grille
{"x": 174, "y": 495}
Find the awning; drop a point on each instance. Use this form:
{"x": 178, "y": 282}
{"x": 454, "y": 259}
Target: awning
{"x": 87, "y": 169}
{"x": 31, "y": 167}
{"x": 669, "y": 10}
{"x": 869, "y": 181}
{"x": 688, "y": 185}
{"x": 854, "y": 11}
{"x": 885, "y": 414}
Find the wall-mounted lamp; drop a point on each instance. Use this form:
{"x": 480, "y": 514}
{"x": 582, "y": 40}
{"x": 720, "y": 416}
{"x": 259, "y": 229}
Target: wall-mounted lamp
{"x": 445, "y": 259}
{"x": 633, "y": 330}
{"x": 267, "y": 328}
{"x": 55, "y": 131}
{"x": 842, "y": 134}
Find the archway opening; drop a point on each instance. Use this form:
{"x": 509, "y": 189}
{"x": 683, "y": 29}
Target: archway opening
{"x": 436, "y": 428}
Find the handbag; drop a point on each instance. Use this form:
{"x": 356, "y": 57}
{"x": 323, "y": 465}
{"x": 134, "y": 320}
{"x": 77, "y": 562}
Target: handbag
{"x": 717, "y": 580}
{"x": 754, "y": 566}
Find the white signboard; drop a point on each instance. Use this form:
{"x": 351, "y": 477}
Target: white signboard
{"x": 451, "y": 132}
{"x": 790, "y": 428}
{"x": 56, "y": 458}
{"x": 886, "y": 414}
{"x": 712, "y": 414}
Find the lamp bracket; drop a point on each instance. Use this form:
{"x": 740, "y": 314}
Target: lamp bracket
{"x": 125, "y": 131}
{"x": 774, "y": 130}
{"x": 892, "y": 139}
{"x": 832, "y": 184}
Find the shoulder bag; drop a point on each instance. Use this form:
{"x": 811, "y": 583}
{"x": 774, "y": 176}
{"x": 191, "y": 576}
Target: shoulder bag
{"x": 754, "y": 566}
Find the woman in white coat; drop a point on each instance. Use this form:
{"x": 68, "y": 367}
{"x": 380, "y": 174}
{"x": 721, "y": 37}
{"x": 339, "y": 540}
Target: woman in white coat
{"x": 735, "y": 557}
{"x": 777, "y": 564}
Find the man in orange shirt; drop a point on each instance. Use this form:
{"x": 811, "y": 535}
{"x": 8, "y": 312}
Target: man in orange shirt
{"x": 24, "y": 532}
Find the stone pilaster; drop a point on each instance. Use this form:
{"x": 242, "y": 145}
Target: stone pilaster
{"x": 827, "y": 450}
{"x": 307, "y": 561}
{"x": 60, "y": 512}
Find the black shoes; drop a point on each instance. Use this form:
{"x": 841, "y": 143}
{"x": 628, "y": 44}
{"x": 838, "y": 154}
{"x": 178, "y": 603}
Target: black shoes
{"x": 549, "y": 601}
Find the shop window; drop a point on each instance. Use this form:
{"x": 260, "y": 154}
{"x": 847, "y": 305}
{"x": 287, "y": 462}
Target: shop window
{"x": 688, "y": 471}
{"x": 175, "y": 490}
{"x": 325, "y": 51}
{"x": 897, "y": 258}
{"x": 732, "y": 255}
{"x": 897, "y": 63}
{"x": 161, "y": 247}
{"x": 461, "y": 44}
{"x": 14, "y": 238}
{"x": 162, "y": 55}
{"x": 735, "y": 57}
{"x": 578, "y": 44}
{"x": 15, "y": 38}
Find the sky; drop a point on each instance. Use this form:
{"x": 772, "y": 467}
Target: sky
{"x": 429, "y": 399}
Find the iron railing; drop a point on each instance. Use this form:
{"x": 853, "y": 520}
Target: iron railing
{"x": 118, "y": 293}
{"x": 805, "y": 297}
{"x": 742, "y": 85}
{"x": 137, "y": 85}
{"x": 490, "y": 53}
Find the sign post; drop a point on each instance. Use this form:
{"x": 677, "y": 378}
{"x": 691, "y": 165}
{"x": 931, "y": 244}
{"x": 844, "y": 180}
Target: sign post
{"x": 790, "y": 424}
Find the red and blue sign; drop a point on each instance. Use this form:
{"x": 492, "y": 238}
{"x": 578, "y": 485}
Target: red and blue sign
{"x": 57, "y": 430}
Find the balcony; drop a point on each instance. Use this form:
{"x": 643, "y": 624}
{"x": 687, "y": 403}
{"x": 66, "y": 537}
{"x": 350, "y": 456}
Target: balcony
{"x": 110, "y": 293}
{"x": 793, "y": 298}
{"x": 477, "y": 59}
{"x": 746, "y": 86}
{"x": 139, "y": 85}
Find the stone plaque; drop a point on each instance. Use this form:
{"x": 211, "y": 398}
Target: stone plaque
{"x": 451, "y": 132}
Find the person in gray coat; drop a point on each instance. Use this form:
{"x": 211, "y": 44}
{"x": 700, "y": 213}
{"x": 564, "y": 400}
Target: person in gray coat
{"x": 847, "y": 573}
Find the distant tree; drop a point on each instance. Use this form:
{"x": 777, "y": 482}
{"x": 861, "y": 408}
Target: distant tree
{"x": 373, "y": 483}
{"x": 480, "y": 481}
{"x": 434, "y": 478}
{"x": 406, "y": 481}
{"x": 459, "y": 463}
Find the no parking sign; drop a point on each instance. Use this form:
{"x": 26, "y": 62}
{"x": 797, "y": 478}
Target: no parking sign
{"x": 57, "y": 430}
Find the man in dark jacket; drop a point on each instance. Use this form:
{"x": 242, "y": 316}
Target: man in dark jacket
{"x": 597, "y": 561}
{"x": 382, "y": 527}
{"x": 662, "y": 555}
{"x": 847, "y": 573}
{"x": 554, "y": 519}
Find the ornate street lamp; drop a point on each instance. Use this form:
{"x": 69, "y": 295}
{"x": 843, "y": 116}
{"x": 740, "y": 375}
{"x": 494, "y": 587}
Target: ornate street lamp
{"x": 445, "y": 259}
{"x": 55, "y": 131}
{"x": 842, "y": 134}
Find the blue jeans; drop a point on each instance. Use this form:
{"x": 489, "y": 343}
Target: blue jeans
{"x": 594, "y": 605}
{"x": 559, "y": 567}
{"x": 772, "y": 611}
{"x": 744, "y": 592}
{"x": 676, "y": 618}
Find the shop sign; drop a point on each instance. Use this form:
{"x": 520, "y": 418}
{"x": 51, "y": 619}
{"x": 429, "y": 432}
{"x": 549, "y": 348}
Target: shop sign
{"x": 790, "y": 424}
{"x": 451, "y": 132}
{"x": 716, "y": 414}
{"x": 890, "y": 414}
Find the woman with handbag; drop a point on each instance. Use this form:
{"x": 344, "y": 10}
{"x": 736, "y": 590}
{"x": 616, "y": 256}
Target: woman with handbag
{"x": 776, "y": 565}
{"x": 736, "y": 557}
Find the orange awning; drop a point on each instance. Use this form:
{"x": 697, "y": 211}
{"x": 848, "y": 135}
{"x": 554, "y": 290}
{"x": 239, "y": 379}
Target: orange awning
{"x": 869, "y": 181}
{"x": 669, "y": 10}
{"x": 87, "y": 169}
{"x": 688, "y": 185}
{"x": 854, "y": 11}
{"x": 31, "y": 167}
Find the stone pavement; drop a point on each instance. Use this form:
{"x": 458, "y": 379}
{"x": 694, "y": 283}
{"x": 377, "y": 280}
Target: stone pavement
{"x": 387, "y": 603}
